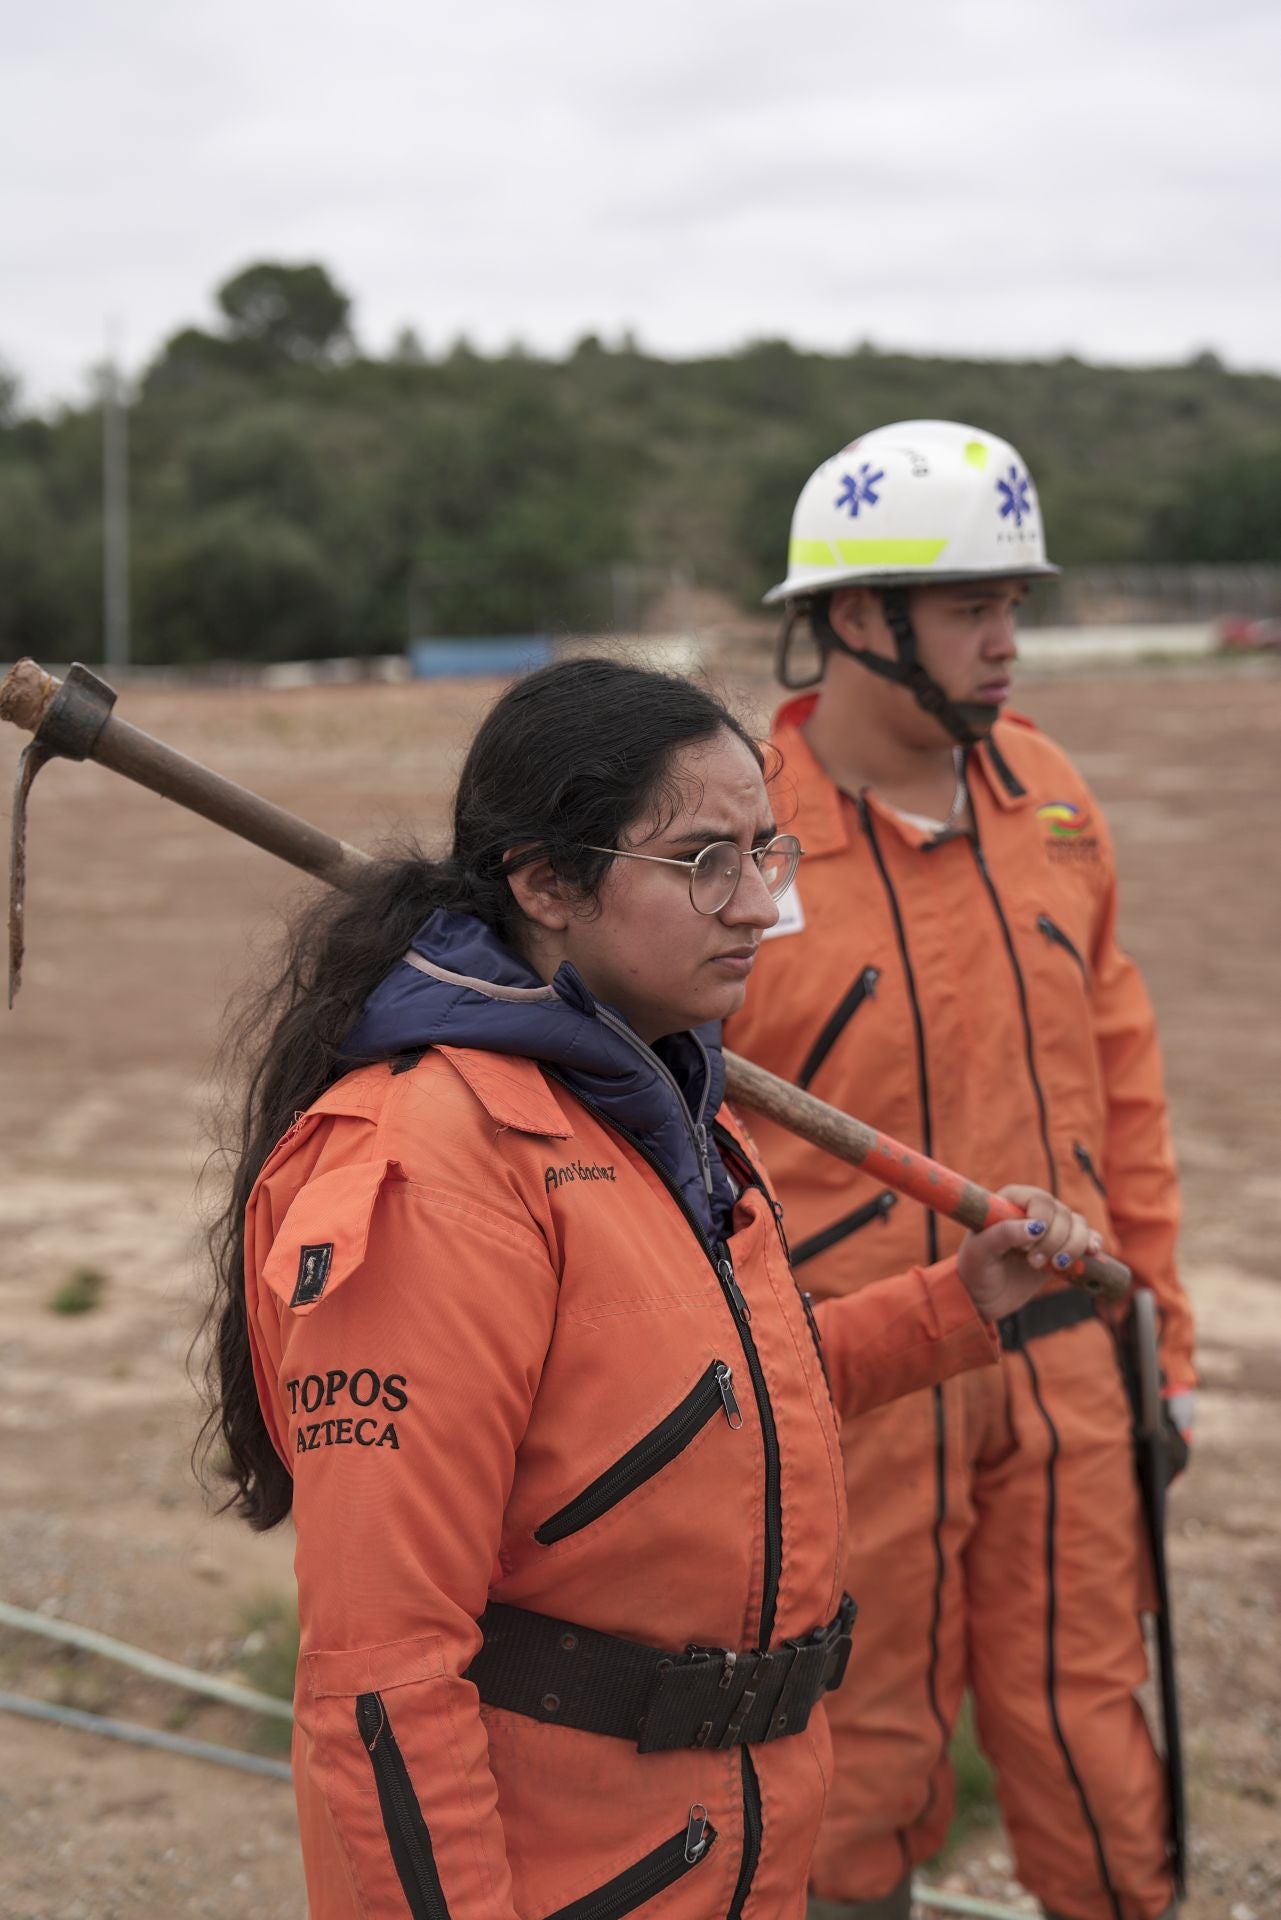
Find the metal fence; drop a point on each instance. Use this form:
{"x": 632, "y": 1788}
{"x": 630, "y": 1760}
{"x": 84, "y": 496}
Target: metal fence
{"x": 631, "y": 598}
{"x": 1161, "y": 595}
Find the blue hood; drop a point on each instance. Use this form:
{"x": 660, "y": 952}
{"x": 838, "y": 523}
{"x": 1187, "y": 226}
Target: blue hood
{"x": 466, "y": 989}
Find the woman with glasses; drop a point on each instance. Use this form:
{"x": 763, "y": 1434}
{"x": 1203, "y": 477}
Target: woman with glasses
{"x": 506, "y": 1321}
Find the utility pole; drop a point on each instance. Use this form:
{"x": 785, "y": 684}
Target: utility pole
{"x": 115, "y": 516}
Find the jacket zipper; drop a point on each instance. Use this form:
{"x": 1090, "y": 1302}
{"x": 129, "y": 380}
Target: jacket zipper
{"x": 918, "y": 1025}
{"x": 406, "y": 1830}
{"x": 739, "y": 1167}
{"x": 722, "y": 1266}
{"x": 932, "y": 1247}
{"x": 743, "y": 1170}
{"x": 1028, "y": 1047}
{"x": 864, "y": 987}
{"x": 694, "y": 1122}
{"x": 878, "y": 1208}
{"x": 771, "y": 1570}
{"x": 655, "y": 1450}
{"x": 659, "y": 1869}
{"x": 751, "y": 1837}
{"x": 1056, "y": 936}
{"x": 1082, "y": 1156}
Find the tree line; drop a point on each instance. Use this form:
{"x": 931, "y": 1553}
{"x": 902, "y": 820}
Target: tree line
{"x": 292, "y": 496}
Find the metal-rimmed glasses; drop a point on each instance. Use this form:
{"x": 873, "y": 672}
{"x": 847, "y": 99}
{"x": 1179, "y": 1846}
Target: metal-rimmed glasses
{"x": 714, "y": 873}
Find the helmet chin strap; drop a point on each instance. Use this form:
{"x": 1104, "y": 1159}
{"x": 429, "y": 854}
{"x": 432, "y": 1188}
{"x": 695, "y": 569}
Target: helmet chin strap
{"x": 794, "y": 617}
{"x": 965, "y": 727}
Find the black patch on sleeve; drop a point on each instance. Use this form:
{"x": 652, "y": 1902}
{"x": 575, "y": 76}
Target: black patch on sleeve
{"x": 313, "y": 1271}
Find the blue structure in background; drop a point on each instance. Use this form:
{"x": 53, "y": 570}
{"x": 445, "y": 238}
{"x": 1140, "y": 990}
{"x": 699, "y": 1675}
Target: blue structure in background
{"x": 507, "y": 653}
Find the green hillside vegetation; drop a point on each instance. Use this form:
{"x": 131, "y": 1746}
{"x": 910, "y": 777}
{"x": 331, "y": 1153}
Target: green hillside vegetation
{"x": 292, "y": 497}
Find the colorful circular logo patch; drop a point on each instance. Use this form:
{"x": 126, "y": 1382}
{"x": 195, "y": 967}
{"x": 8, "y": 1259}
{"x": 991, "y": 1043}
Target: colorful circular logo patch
{"x": 1063, "y": 819}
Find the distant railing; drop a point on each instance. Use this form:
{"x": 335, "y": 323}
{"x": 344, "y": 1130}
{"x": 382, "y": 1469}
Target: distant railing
{"x": 638, "y": 605}
{"x": 1136, "y": 595}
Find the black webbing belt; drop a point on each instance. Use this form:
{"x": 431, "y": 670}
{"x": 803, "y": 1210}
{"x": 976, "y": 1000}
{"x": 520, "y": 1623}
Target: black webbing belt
{"x": 1048, "y": 1313}
{"x": 704, "y": 1697}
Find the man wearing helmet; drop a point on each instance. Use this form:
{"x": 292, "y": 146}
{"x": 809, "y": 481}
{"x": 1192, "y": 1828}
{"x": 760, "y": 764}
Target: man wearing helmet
{"x": 956, "y": 913}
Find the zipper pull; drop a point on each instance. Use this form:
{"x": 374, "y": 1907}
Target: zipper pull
{"x": 1088, "y": 1168}
{"x": 704, "y": 1157}
{"x": 371, "y": 1718}
{"x": 738, "y": 1299}
{"x": 725, "y": 1381}
{"x": 695, "y": 1832}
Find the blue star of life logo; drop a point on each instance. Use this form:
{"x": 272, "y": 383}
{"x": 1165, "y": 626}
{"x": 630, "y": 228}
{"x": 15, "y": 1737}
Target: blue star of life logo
{"x": 1015, "y": 504}
{"x": 859, "y": 489}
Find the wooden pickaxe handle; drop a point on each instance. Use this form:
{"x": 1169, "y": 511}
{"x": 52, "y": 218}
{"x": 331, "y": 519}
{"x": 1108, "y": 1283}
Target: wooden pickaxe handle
{"x": 74, "y": 716}
{"x": 903, "y": 1168}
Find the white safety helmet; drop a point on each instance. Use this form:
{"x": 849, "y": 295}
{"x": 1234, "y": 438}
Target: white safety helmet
{"x": 920, "y": 501}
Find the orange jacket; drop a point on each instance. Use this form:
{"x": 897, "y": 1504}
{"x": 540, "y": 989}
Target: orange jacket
{"x": 971, "y": 998}
{"x": 468, "y": 1298}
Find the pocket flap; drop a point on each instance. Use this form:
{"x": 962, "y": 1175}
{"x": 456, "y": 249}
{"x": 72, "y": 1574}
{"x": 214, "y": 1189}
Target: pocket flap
{"x": 323, "y": 1236}
{"x": 398, "y": 1663}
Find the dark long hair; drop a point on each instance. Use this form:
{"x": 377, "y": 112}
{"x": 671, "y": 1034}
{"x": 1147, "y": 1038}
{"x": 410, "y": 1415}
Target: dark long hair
{"x": 570, "y": 755}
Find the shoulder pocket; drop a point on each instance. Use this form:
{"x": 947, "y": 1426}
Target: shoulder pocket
{"x": 324, "y": 1235}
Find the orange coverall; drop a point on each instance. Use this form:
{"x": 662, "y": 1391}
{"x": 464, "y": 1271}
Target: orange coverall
{"x": 968, "y": 996}
{"x": 469, "y": 1299}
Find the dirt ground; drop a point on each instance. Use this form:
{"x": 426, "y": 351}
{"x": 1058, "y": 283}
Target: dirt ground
{"x": 143, "y": 920}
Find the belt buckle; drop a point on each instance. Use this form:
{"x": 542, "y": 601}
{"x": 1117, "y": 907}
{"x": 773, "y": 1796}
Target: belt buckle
{"x": 838, "y": 1660}
{"x": 746, "y": 1700}
{"x": 840, "y": 1641}
{"x": 696, "y": 1656}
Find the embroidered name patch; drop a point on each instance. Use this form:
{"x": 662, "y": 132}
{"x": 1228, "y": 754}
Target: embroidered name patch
{"x": 575, "y": 1170}
{"x": 313, "y": 1271}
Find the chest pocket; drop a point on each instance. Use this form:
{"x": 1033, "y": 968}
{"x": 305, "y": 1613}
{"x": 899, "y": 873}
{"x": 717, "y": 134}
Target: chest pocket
{"x": 834, "y": 1026}
{"x": 1051, "y": 930}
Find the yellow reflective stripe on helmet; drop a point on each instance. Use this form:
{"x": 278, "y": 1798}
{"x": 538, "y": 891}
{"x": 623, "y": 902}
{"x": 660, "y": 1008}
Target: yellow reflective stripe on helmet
{"x": 810, "y": 553}
{"x": 889, "y": 553}
{"x": 864, "y": 553}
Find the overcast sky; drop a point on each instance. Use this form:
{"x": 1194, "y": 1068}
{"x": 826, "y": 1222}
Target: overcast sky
{"x": 1099, "y": 177}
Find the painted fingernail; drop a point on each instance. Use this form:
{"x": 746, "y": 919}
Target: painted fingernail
{"x": 1036, "y": 1227}
{"x": 1062, "y": 1260}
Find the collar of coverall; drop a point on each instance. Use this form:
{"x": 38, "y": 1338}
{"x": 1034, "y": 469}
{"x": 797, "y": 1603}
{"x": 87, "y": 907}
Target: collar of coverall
{"x": 991, "y": 769}
{"x": 463, "y": 988}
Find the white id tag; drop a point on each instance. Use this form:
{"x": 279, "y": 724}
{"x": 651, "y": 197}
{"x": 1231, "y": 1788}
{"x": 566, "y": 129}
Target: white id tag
{"x": 791, "y": 915}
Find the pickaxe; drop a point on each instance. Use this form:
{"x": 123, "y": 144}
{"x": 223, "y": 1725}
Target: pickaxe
{"x": 74, "y": 718}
